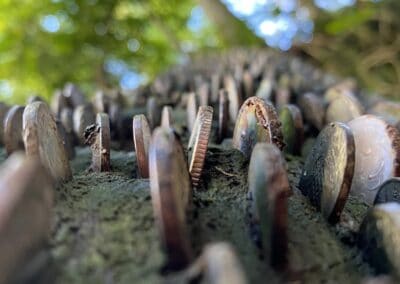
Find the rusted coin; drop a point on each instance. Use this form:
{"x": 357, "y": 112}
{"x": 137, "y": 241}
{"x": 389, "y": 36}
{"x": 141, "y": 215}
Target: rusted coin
{"x": 191, "y": 110}
{"x": 26, "y": 200}
{"x": 328, "y": 171}
{"x": 166, "y": 117}
{"x": 153, "y": 112}
{"x": 234, "y": 98}
{"x": 41, "y": 138}
{"x": 268, "y": 192}
{"x": 292, "y": 128}
{"x": 223, "y": 115}
{"x": 198, "y": 143}
{"x": 379, "y": 238}
{"x": 171, "y": 195}
{"x": 141, "y": 139}
{"x": 313, "y": 111}
{"x": 66, "y": 139}
{"x": 343, "y": 108}
{"x": 58, "y": 102}
{"x": 377, "y": 155}
{"x": 73, "y": 95}
{"x": 389, "y": 191}
{"x": 257, "y": 122}
{"x": 98, "y": 137}
{"x": 83, "y": 117}
{"x": 13, "y": 129}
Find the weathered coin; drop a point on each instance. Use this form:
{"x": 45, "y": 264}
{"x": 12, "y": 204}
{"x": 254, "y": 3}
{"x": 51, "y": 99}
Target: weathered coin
{"x": 191, "y": 110}
{"x": 13, "y": 129}
{"x": 41, "y": 138}
{"x": 257, "y": 122}
{"x": 58, "y": 102}
{"x": 26, "y": 200}
{"x": 292, "y": 128}
{"x": 171, "y": 195}
{"x": 83, "y": 117}
{"x": 313, "y": 111}
{"x": 153, "y": 112}
{"x": 343, "y": 108}
{"x": 235, "y": 100}
{"x": 223, "y": 115}
{"x": 98, "y": 137}
{"x": 377, "y": 155}
{"x": 328, "y": 171}
{"x": 198, "y": 143}
{"x": 66, "y": 139}
{"x": 166, "y": 117}
{"x": 73, "y": 95}
{"x": 268, "y": 192}
{"x": 379, "y": 240}
{"x": 141, "y": 139}
{"x": 389, "y": 191}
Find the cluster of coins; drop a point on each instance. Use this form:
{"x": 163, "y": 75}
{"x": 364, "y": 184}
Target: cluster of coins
{"x": 265, "y": 108}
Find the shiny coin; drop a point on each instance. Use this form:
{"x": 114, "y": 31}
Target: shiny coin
{"x": 13, "y": 129}
{"x": 377, "y": 155}
{"x": 234, "y": 98}
{"x": 343, "y": 108}
{"x": 313, "y": 111}
{"x": 141, "y": 139}
{"x": 191, "y": 110}
{"x": 198, "y": 142}
{"x": 223, "y": 115}
{"x": 292, "y": 128}
{"x": 153, "y": 112}
{"x": 26, "y": 200}
{"x": 268, "y": 192}
{"x": 257, "y": 122}
{"x": 166, "y": 117}
{"x": 41, "y": 138}
{"x": 389, "y": 191}
{"x": 328, "y": 170}
{"x": 171, "y": 195}
{"x": 83, "y": 117}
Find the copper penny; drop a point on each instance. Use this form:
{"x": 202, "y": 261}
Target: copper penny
{"x": 223, "y": 115}
{"x": 292, "y": 128}
{"x": 389, "y": 191}
{"x": 141, "y": 139}
{"x": 13, "y": 129}
{"x": 83, "y": 116}
{"x": 166, "y": 117}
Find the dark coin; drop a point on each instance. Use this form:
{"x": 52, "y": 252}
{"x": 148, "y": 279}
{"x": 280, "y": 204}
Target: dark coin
{"x": 328, "y": 170}
{"x": 141, "y": 139}
{"x": 389, "y": 191}
{"x": 292, "y": 128}
{"x": 13, "y": 129}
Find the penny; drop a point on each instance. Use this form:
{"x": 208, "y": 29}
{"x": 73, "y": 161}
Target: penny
{"x": 66, "y": 139}
{"x": 329, "y": 169}
{"x": 377, "y": 155}
{"x": 153, "y": 112}
{"x": 141, "y": 139}
{"x": 268, "y": 192}
{"x": 198, "y": 143}
{"x": 313, "y": 111}
{"x": 26, "y": 201}
{"x": 166, "y": 117}
{"x": 257, "y": 122}
{"x": 41, "y": 138}
{"x": 292, "y": 128}
{"x": 73, "y": 95}
{"x": 379, "y": 240}
{"x": 98, "y": 137}
{"x": 58, "y": 102}
{"x": 223, "y": 115}
{"x": 234, "y": 97}
{"x": 13, "y": 129}
{"x": 171, "y": 195}
{"x": 389, "y": 191}
{"x": 83, "y": 116}
{"x": 343, "y": 108}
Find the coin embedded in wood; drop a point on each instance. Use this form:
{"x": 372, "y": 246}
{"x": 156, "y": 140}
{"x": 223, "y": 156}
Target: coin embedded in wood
{"x": 98, "y": 137}
{"x": 141, "y": 139}
{"x": 153, "y": 112}
{"x": 389, "y": 191}
{"x": 378, "y": 238}
{"x": 83, "y": 117}
{"x": 329, "y": 169}
{"x": 171, "y": 195}
{"x": 312, "y": 108}
{"x": 223, "y": 114}
{"x": 191, "y": 110}
{"x": 13, "y": 129}
{"x": 377, "y": 155}
{"x": 257, "y": 122}
{"x": 41, "y": 138}
{"x": 268, "y": 192}
{"x": 198, "y": 142}
{"x": 26, "y": 200}
{"x": 166, "y": 117}
{"x": 292, "y": 128}
{"x": 343, "y": 108}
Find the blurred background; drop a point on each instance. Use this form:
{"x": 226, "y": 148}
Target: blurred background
{"x": 103, "y": 44}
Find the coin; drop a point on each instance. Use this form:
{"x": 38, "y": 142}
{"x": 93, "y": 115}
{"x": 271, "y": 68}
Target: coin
{"x": 66, "y": 139}
{"x": 153, "y": 112}
{"x": 389, "y": 191}
{"x": 292, "y": 128}
{"x": 247, "y": 80}
{"x": 264, "y": 91}
{"x": 67, "y": 120}
{"x": 343, "y": 108}
{"x": 41, "y": 138}
{"x": 26, "y": 201}
{"x": 390, "y": 111}
{"x": 215, "y": 86}
{"x": 377, "y": 155}
{"x": 191, "y": 110}
{"x": 379, "y": 240}
{"x": 171, "y": 195}
{"x": 83, "y": 117}
{"x": 313, "y": 111}
{"x": 268, "y": 192}
{"x": 198, "y": 142}
{"x": 166, "y": 117}
{"x": 328, "y": 170}
{"x": 3, "y": 112}
{"x": 58, "y": 102}
{"x": 257, "y": 122}
{"x": 203, "y": 93}
{"x": 234, "y": 98}
{"x": 73, "y": 95}
{"x": 141, "y": 139}
{"x": 34, "y": 98}
{"x": 116, "y": 121}
{"x": 13, "y": 129}
{"x": 223, "y": 115}
{"x": 101, "y": 102}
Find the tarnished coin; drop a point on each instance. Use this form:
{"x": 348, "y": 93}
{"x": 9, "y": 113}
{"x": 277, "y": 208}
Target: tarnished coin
{"x": 13, "y": 129}
{"x": 292, "y": 128}
{"x": 389, "y": 191}
{"x": 166, "y": 117}
{"x": 379, "y": 238}
{"x": 235, "y": 100}
{"x": 257, "y": 122}
{"x": 223, "y": 114}
{"x": 313, "y": 111}
{"x": 171, "y": 195}
{"x": 58, "y": 102}
{"x": 268, "y": 192}
{"x": 41, "y": 138}
{"x": 198, "y": 142}
{"x": 26, "y": 200}
{"x": 98, "y": 137}
{"x": 191, "y": 110}
{"x": 153, "y": 112}
{"x": 377, "y": 155}
{"x": 141, "y": 139}
{"x": 73, "y": 95}
{"x": 328, "y": 171}
{"x": 343, "y": 108}
{"x": 83, "y": 117}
